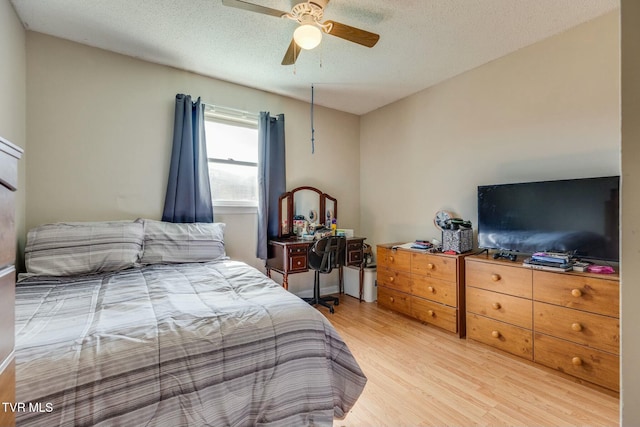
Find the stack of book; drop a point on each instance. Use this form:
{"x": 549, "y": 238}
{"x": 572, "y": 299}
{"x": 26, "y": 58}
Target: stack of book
{"x": 549, "y": 261}
{"x": 421, "y": 244}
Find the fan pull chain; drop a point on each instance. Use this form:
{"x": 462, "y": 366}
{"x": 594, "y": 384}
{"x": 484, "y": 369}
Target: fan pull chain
{"x": 313, "y": 148}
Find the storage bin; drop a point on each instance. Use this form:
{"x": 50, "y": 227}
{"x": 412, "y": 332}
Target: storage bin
{"x": 351, "y": 283}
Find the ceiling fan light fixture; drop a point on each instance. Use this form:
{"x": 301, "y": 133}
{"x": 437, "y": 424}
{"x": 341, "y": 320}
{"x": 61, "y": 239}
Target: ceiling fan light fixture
{"x": 307, "y": 36}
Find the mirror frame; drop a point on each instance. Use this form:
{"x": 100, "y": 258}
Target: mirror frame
{"x": 288, "y": 199}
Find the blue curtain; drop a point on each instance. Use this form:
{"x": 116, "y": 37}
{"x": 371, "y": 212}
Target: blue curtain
{"x": 271, "y": 177}
{"x": 188, "y": 196}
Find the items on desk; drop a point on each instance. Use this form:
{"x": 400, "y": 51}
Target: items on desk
{"x": 299, "y": 225}
{"x": 346, "y": 232}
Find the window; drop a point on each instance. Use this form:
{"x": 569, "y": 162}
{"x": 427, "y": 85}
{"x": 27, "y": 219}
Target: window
{"x": 232, "y": 149}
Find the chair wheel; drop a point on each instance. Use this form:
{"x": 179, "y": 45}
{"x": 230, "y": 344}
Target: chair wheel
{"x": 331, "y": 310}
{"x": 337, "y": 302}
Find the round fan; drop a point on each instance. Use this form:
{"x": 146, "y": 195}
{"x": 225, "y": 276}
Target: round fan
{"x": 309, "y": 33}
{"x": 441, "y": 218}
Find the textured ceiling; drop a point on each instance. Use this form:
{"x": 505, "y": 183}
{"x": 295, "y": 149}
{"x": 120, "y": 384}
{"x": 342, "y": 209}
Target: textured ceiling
{"x": 422, "y": 42}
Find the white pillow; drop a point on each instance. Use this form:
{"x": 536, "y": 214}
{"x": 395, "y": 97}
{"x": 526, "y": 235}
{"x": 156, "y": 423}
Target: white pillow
{"x": 74, "y": 248}
{"x": 168, "y": 242}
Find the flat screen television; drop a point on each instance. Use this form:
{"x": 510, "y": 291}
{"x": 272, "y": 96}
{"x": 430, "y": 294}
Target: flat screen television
{"x": 577, "y": 216}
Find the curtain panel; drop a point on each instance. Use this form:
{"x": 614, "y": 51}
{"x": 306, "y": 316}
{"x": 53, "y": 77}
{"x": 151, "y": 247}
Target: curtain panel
{"x": 271, "y": 177}
{"x": 188, "y": 197}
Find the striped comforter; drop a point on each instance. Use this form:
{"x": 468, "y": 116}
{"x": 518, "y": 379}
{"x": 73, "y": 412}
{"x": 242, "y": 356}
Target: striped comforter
{"x": 215, "y": 344}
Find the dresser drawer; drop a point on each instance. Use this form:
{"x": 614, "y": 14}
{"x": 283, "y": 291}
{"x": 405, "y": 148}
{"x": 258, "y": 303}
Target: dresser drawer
{"x": 7, "y": 393}
{"x": 7, "y": 228}
{"x": 394, "y": 279}
{"x": 575, "y": 291}
{"x": 509, "y": 338}
{"x": 394, "y": 300}
{"x": 499, "y": 278}
{"x": 7, "y": 311}
{"x": 506, "y": 308}
{"x": 434, "y": 289}
{"x": 438, "y": 267}
{"x": 394, "y": 259}
{"x": 583, "y": 362}
{"x": 436, "y": 314}
{"x": 592, "y": 330}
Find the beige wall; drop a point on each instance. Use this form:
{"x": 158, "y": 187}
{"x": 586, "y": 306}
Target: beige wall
{"x": 548, "y": 111}
{"x": 100, "y": 129}
{"x": 630, "y": 95}
{"x": 13, "y": 108}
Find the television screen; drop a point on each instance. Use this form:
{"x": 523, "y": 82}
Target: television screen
{"x": 577, "y": 216}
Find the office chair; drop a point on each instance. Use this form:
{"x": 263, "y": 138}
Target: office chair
{"x": 325, "y": 255}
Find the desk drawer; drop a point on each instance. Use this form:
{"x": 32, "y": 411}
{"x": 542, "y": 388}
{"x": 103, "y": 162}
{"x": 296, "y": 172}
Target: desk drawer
{"x": 503, "y": 336}
{"x": 297, "y": 256}
{"x": 354, "y": 253}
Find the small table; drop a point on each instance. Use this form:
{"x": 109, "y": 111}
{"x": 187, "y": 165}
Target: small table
{"x": 290, "y": 256}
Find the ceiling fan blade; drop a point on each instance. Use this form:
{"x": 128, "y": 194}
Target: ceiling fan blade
{"x": 239, "y": 4}
{"x": 352, "y": 34}
{"x": 292, "y": 54}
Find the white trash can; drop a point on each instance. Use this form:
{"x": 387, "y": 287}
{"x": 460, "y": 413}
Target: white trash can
{"x": 352, "y": 282}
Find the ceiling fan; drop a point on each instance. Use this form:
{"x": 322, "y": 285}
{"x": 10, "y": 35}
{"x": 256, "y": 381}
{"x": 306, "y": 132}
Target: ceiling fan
{"x": 309, "y": 33}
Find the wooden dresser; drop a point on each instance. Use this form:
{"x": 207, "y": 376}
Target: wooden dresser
{"x": 9, "y": 156}
{"x": 568, "y": 321}
{"x": 425, "y": 286}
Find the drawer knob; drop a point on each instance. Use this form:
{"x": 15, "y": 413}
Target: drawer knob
{"x": 495, "y": 277}
{"x": 496, "y": 306}
{"x": 390, "y": 259}
{"x": 430, "y": 289}
{"x": 495, "y": 334}
{"x": 391, "y": 279}
{"x": 430, "y": 313}
{"x": 576, "y": 292}
{"x": 576, "y": 327}
{"x": 391, "y": 299}
{"x": 576, "y": 361}
{"x": 430, "y": 266}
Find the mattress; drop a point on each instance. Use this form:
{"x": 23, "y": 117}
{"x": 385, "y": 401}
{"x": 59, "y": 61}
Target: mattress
{"x": 192, "y": 344}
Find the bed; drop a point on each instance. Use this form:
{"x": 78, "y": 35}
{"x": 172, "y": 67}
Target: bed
{"x": 182, "y": 337}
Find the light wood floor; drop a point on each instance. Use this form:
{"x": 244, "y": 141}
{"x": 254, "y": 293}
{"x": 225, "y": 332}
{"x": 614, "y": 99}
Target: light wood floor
{"x": 419, "y": 375}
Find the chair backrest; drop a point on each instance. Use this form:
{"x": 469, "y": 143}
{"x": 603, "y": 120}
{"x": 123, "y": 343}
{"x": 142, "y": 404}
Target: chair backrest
{"x": 327, "y": 253}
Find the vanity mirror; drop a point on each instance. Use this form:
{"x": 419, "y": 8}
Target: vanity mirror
{"x": 305, "y": 204}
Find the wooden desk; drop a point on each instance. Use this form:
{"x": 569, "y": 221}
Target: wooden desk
{"x": 290, "y": 256}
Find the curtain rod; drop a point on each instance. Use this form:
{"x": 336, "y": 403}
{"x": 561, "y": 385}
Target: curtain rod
{"x": 231, "y": 112}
